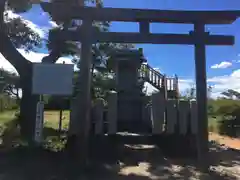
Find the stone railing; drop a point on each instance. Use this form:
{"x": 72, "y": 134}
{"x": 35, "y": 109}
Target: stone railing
{"x": 161, "y": 115}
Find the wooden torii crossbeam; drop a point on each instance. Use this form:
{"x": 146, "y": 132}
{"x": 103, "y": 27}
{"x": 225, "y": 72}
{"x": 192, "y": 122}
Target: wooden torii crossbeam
{"x": 199, "y": 38}
{"x": 62, "y": 11}
{"x": 140, "y": 38}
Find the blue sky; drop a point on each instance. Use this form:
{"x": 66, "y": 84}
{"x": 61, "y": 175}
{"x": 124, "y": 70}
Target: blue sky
{"x": 222, "y": 62}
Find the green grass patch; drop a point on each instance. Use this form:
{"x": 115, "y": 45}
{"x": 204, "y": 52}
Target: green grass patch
{"x": 6, "y": 116}
{"x": 52, "y": 118}
{"x": 53, "y": 139}
{"x": 213, "y": 123}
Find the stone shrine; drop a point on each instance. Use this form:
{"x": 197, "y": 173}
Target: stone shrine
{"x": 126, "y": 64}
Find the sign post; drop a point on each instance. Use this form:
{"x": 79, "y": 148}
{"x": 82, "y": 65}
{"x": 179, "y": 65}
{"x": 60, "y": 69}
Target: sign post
{"x": 39, "y": 122}
{"x": 2, "y": 86}
{"x": 49, "y": 79}
{"x": 2, "y": 80}
{"x": 61, "y": 114}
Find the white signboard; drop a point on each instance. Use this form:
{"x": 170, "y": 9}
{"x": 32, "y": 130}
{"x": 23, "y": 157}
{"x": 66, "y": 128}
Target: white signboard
{"x": 52, "y": 79}
{"x": 39, "y": 122}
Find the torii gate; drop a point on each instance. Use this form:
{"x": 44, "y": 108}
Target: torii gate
{"x": 87, "y": 35}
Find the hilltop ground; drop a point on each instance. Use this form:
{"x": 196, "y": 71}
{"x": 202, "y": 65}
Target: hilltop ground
{"x": 139, "y": 162}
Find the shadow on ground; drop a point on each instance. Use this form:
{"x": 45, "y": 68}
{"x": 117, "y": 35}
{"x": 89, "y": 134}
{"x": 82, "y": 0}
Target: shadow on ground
{"x": 130, "y": 162}
{"x": 111, "y": 161}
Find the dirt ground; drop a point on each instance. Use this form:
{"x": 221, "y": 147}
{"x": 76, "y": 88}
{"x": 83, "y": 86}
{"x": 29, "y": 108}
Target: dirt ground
{"x": 227, "y": 156}
{"x": 230, "y": 142}
{"x": 224, "y": 163}
{"x": 136, "y": 162}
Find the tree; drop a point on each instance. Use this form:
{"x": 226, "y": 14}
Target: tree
{"x": 100, "y": 51}
{"x": 10, "y": 83}
{"x": 231, "y": 94}
{"x": 190, "y": 93}
{"x": 16, "y": 34}
{"x": 7, "y": 99}
{"x": 209, "y": 91}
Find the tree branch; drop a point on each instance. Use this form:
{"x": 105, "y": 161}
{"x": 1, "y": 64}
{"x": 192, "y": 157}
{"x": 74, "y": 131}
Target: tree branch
{"x": 10, "y": 88}
{"x": 11, "y": 54}
{"x": 7, "y": 48}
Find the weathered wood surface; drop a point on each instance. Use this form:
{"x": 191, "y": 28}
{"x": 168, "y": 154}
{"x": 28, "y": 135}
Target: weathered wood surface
{"x": 112, "y": 113}
{"x": 158, "y": 112}
{"x": 171, "y": 116}
{"x": 164, "y": 116}
{"x": 194, "y": 117}
{"x": 162, "y": 113}
{"x": 98, "y": 116}
{"x": 143, "y": 38}
{"x": 63, "y": 10}
{"x": 201, "y": 93}
{"x": 184, "y": 114}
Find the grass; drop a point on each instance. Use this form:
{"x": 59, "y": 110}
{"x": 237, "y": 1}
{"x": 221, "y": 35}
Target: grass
{"x": 6, "y": 117}
{"x": 51, "y": 118}
{"x": 53, "y": 139}
{"x": 52, "y": 136}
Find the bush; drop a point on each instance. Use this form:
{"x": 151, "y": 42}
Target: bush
{"x": 57, "y": 103}
{"x": 7, "y": 103}
{"x": 228, "y": 113}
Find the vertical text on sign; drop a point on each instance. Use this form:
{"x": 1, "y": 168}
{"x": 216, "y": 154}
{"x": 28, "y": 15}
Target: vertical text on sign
{"x": 39, "y": 122}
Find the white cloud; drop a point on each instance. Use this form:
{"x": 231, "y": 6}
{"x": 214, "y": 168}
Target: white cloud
{"x": 11, "y": 15}
{"x": 53, "y": 24}
{"x": 222, "y": 83}
{"x": 5, "y": 64}
{"x": 34, "y": 27}
{"x": 185, "y": 84}
{"x": 31, "y": 56}
{"x": 157, "y": 69}
{"x": 149, "y": 88}
{"x": 219, "y": 83}
{"x": 222, "y": 65}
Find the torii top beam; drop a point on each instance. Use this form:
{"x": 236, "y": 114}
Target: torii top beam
{"x": 63, "y": 11}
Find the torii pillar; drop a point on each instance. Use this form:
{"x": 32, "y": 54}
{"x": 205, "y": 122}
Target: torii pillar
{"x": 201, "y": 88}
{"x": 80, "y": 115}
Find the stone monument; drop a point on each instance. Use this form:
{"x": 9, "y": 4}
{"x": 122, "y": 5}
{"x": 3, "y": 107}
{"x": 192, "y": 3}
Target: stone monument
{"x": 126, "y": 64}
